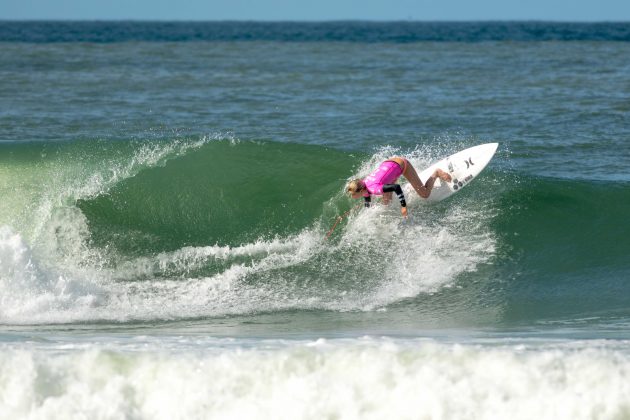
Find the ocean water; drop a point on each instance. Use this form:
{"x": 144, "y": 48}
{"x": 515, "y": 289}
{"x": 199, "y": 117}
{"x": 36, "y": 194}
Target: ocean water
{"x": 166, "y": 190}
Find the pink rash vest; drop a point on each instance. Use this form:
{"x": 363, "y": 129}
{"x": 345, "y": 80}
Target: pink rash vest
{"x": 387, "y": 173}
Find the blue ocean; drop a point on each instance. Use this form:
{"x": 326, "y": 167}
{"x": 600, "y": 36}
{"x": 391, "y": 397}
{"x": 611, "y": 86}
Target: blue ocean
{"x": 166, "y": 189}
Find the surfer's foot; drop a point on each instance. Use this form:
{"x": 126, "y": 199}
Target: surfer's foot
{"x": 443, "y": 175}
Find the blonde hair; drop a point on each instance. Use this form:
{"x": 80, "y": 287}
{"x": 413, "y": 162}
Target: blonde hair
{"x": 355, "y": 186}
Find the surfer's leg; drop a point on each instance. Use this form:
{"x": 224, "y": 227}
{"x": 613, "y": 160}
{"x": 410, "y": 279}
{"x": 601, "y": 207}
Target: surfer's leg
{"x": 411, "y": 175}
{"x": 442, "y": 175}
{"x": 423, "y": 190}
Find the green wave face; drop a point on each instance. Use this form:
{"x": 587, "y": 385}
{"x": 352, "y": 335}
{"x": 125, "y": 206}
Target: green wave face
{"x": 564, "y": 248}
{"x": 566, "y": 225}
{"x": 221, "y": 193}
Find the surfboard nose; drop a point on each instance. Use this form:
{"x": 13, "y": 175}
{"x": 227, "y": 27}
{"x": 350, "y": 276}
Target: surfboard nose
{"x": 492, "y": 147}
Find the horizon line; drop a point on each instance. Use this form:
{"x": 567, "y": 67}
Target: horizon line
{"x": 272, "y": 21}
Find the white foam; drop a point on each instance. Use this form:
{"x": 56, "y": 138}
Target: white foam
{"x": 350, "y": 379}
{"x": 188, "y": 259}
{"x": 16, "y": 264}
{"x": 32, "y": 294}
{"x": 76, "y": 293}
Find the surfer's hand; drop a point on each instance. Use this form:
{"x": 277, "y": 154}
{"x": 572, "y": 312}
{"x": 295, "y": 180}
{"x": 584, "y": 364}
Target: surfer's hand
{"x": 403, "y": 210}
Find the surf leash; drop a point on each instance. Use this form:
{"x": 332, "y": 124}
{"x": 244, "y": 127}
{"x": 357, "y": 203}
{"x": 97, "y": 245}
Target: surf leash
{"x": 339, "y": 219}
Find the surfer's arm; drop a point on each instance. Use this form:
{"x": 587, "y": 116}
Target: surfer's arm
{"x": 367, "y": 200}
{"x": 399, "y": 192}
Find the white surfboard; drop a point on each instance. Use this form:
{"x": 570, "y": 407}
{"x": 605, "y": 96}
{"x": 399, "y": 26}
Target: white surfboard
{"x": 463, "y": 166}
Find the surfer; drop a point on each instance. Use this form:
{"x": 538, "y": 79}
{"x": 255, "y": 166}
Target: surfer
{"x": 382, "y": 182}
